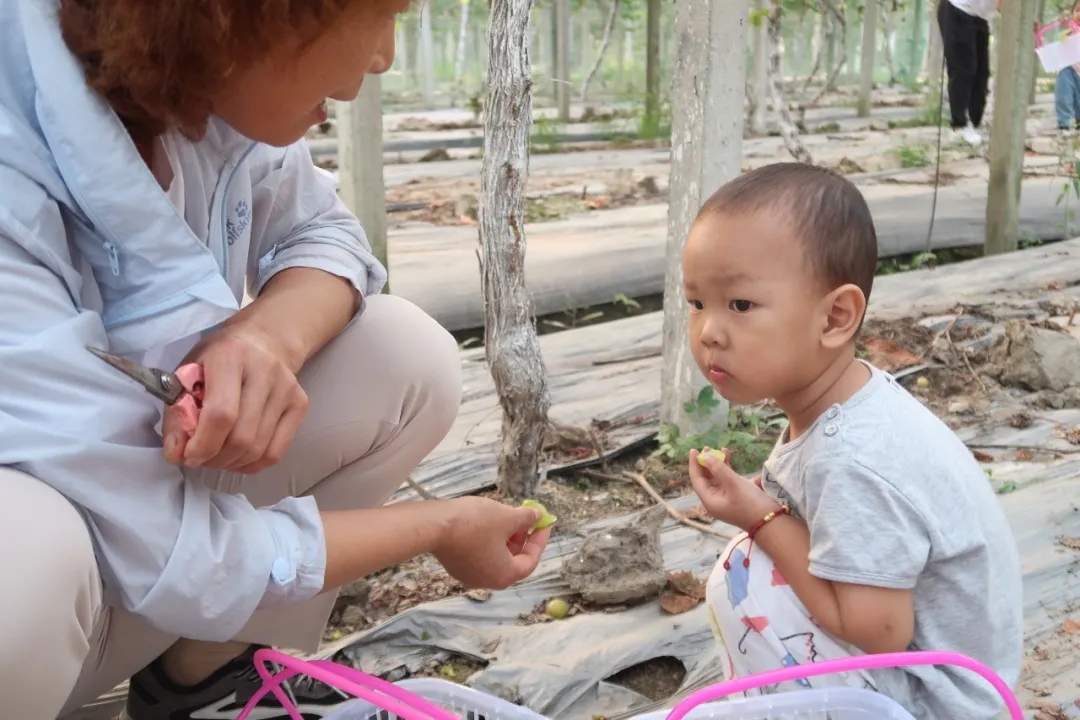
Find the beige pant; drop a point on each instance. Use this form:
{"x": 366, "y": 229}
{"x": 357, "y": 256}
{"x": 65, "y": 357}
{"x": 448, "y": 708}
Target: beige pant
{"x": 382, "y": 395}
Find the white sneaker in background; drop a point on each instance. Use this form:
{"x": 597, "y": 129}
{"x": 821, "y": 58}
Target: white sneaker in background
{"x": 971, "y": 136}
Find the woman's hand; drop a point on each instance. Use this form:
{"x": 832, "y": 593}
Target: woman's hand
{"x": 488, "y": 544}
{"x": 728, "y": 496}
{"x": 252, "y": 409}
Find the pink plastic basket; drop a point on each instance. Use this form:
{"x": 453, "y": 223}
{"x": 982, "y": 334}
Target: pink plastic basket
{"x": 863, "y": 662}
{"x": 378, "y": 692}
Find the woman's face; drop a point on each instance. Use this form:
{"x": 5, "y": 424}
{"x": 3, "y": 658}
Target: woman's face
{"x": 277, "y": 99}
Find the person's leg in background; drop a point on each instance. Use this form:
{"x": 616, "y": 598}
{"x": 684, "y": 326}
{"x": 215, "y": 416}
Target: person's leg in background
{"x": 980, "y": 87}
{"x": 48, "y": 613}
{"x": 1065, "y": 98}
{"x": 382, "y": 395}
{"x": 961, "y": 65}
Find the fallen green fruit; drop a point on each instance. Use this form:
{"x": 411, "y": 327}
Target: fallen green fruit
{"x": 546, "y": 518}
{"x": 718, "y": 454}
{"x": 558, "y": 608}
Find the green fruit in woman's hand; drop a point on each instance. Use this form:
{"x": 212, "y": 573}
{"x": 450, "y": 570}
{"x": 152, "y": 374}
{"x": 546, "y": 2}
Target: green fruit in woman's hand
{"x": 558, "y": 608}
{"x": 546, "y": 518}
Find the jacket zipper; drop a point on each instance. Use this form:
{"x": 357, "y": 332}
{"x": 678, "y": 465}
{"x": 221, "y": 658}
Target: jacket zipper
{"x": 114, "y": 256}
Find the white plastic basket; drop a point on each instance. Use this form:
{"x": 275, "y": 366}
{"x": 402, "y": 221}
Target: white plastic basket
{"x": 1056, "y": 56}
{"x": 466, "y": 703}
{"x": 821, "y": 704}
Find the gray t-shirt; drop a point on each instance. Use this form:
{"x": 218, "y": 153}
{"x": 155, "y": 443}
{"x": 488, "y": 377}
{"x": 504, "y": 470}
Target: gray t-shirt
{"x": 894, "y": 499}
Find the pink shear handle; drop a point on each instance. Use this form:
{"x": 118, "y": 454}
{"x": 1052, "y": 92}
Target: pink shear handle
{"x": 380, "y": 693}
{"x": 1039, "y": 41}
{"x": 863, "y": 662}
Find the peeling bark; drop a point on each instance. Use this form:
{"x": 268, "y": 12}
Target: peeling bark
{"x": 788, "y": 129}
{"x": 512, "y": 348}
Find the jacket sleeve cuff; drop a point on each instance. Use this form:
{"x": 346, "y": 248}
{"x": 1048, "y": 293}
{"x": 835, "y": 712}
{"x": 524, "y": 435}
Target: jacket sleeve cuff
{"x": 329, "y": 252}
{"x": 298, "y": 569}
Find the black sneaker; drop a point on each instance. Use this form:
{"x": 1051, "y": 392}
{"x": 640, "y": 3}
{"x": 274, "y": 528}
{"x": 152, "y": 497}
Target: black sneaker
{"x": 152, "y": 696}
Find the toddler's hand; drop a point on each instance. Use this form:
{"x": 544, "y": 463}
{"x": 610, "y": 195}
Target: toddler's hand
{"x": 728, "y": 496}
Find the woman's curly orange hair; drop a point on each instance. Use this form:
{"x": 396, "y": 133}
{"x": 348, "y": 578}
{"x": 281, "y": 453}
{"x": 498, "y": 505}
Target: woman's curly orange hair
{"x": 158, "y": 63}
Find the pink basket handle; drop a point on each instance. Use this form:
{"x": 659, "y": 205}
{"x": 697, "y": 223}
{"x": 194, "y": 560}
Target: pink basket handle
{"x": 1040, "y": 32}
{"x": 382, "y": 694}
{"x": 862, "y": 662}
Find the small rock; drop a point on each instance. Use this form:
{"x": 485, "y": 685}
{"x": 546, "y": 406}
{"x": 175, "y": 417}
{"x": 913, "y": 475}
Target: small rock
{"x": 479, "y": 595}
{"x": 961, "y": 406}
{"x": 435, "y": 155}
{"x": 1021, "y": 420}
{"x": 648, "y": 185}
{"x": 847, "y": 166}
{"x": 620, "y": 564}
{"x": 353, "y": 615}
{"x": 467, "y": 206}
{"x": 357, "y": 591}
{"x": 601, "y": 497}
{"x": 1039, "y": 358}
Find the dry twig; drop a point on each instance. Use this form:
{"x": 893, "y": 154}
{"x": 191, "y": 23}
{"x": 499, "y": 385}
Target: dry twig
{"x": 675, "y": 514}
{"x": 967, "y": 362}
{"x": 419, "y": 490}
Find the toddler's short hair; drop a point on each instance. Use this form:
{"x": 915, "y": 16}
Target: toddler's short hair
{"x": 827, "y": 212}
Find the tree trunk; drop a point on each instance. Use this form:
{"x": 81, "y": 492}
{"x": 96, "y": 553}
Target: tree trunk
{"x": 706, "y": 142}
{"x": 562, "y": 53}
{"x": 511, "y": 346}
{"x": 651, "y": 121}
{"x": 1040, "y": 16}
{"x": 866, "y": 64}
{"x": 788, "y": 129}
{"x": 837, "y": 21}
{"x": 609, "y": 27}
{"x": 760, "y": 94}
{"x": 887, "y": 31}
{"x": 935, "y": 53}
{"x": 427, "y": 56}
{"x": 459, "y": 59}
{"x": 360, "y": 163}
{"x": 1016, "y": 63}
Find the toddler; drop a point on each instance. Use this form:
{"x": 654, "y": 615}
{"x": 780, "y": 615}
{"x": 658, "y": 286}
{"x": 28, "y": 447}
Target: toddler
{"x": 1067, "y": 90}
{"x": 871, "y": 528}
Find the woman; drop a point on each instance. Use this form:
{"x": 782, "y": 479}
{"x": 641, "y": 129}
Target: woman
{"x": 151, "y": 170}
{"x": 965, "y": 36}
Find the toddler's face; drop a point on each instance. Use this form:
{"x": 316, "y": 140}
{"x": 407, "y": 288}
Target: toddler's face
{"x": 755, "y": 316}
{"x": 277, "y": 100}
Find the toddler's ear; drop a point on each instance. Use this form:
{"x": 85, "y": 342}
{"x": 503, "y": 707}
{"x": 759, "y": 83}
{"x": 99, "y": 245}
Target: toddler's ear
{"x": 844, "y": 310}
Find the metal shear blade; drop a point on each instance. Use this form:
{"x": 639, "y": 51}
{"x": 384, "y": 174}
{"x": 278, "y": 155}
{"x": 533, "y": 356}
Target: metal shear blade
{"x": 162, "y": 384}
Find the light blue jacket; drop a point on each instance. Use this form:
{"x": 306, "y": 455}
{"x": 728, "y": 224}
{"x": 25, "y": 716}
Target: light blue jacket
{"x": 93, "y": 253}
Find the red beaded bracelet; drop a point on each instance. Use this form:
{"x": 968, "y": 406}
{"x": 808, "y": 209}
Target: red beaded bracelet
{"x": 782, "y": 510}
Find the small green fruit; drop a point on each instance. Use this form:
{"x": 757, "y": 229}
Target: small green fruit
{"x": 546, "y": 518}
{"x": 558, "y": 608}
{"x": 922, "y": 383}
{"x": 718, "y": 454}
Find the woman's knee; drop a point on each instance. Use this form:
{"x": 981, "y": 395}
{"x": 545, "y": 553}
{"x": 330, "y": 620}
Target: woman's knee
{"x": 47, "y": 625}
{"x": 411, "y": 353}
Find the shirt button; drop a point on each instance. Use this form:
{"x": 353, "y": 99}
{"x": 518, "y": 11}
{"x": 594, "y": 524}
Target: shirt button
{"x": 831, "y": 429}
{"x": 833, "y": 412}
{"x": 282, "y": 571}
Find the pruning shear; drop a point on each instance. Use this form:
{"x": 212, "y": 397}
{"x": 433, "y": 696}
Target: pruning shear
{"x": 184, "y": 388}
